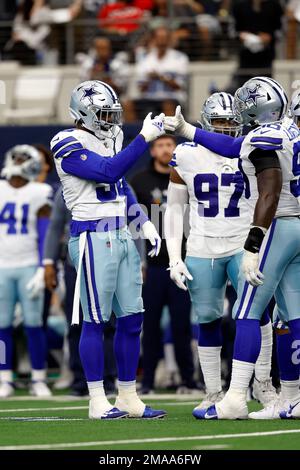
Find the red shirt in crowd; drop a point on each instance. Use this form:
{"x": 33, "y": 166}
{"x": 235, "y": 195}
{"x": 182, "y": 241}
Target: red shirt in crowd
{"x": 123, "y": 17}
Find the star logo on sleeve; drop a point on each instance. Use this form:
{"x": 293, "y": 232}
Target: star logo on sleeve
{"x": 253, "y": 95}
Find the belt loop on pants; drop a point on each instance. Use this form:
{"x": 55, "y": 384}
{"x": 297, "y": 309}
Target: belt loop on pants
{"x": 76, "y": 301}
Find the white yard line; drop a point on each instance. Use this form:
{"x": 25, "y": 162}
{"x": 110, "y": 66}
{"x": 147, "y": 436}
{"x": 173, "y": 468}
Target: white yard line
{"x": 69, "y": 445}
{"x": 150, "y": 396}
{"x": 40, "y": 418}
{"x": 84, "y": 407}
{"x": 58, "y": 408}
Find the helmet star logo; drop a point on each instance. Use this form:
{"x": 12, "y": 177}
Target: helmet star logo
{"x": 88, "y": 93}
{"x": 253, "y": 95}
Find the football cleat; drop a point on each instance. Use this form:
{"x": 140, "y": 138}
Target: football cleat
{"x": 292, "y": 411}
{"x": 264, "y": 392}
{"x": 137, "y": 409}
{"x": 150, "y": 413}
{"x": 114, "y": 413}
{"x": 102, "y": 409}
{"x": 40, "y": 389}
{"x": 272, "y": 411}
{"x": 210, "y": 400}
{"x": 6, "y": 390}
{"x": 232, "y": 406}
{"x": 205, "y": 413}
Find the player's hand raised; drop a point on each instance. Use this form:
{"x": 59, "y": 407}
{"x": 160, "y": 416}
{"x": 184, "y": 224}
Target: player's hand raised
{"x": 178, "y": 124}
{"x": 150, "y": 233}
{"x": 153, "y": 127}
{"x": 179, "y": 274}
{"x": 250, "y": 268}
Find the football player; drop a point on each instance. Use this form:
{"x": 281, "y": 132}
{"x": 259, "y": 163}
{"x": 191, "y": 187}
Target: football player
{"x": 24, "y": 216}
{"x": 91, "y": 166}
{"x": 289, "y": 371}
{"x": 219, "y": 224}
{"x": 271, "y": 260}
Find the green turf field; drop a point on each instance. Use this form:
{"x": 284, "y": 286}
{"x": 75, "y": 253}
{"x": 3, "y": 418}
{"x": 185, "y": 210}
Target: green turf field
{"x": 62, "y": 423}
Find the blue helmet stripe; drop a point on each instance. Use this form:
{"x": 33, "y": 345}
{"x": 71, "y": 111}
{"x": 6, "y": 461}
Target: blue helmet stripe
{"x": 111, "y": 91}
{"x": 277, "y": 92}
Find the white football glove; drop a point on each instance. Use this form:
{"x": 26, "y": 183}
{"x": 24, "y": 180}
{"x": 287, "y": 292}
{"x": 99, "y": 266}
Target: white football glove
{"x": 254, "y": 43}
{"x": 179, "y": 273}
{"x": 153, "y": 128}
{"x": 36, "y": 285}
{"x": 178, "y": 124}
{"x": 250, "y": 268}
{"x": 150, "y": 233}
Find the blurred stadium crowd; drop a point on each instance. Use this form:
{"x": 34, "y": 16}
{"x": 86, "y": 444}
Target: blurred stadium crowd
{"x": 156, "y": 42}
{"x": 146, "y": 49}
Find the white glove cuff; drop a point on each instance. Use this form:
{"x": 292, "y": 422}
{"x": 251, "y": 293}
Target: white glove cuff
{"x": 188, "y": 131}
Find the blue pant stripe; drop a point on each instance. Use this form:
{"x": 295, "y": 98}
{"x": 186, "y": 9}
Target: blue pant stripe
{"x": 90, "y": 248}
{"x": 263, "y": 261}
{"x": 246, "y": 285}
{"x": 87, "y": 288}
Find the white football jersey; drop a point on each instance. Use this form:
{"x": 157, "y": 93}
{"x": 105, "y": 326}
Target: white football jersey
{"x": 18, "y": 222}
{"x": 219, "y": 216}
{"x": 88, "y": 200}
{"x": 284, "y": 138}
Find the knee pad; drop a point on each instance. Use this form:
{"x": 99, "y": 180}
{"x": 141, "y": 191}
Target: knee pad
{"x": 131, "y": 324}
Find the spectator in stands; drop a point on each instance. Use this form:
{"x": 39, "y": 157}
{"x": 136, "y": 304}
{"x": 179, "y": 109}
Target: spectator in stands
{"x": 31, "y": 29}
{"x": 293, "y": 19}
{"x": 256, "y": 22}
{"x": 150, "y": 187}
{"x": 180, "y": 17}
{"x": 208, "y": 21}
{"x": 102, "y": 64}
{"x": 8, "y": 10}
{"x": 124, "y": 16}
{"x": 162, "y": 77}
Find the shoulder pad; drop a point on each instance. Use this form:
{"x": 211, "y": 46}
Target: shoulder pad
{"x": 64, "y": 143}
{"x": 267, "y": 137}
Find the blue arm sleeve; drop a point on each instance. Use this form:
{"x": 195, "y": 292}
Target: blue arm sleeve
{"x": 221, "y": 144}
{"x": 42, "y": 226}
{"x": 103, "y": 169}
{"x": 134, "y": 211}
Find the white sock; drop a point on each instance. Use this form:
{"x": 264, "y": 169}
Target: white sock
{"x": 128, "y": 400}
{"x": 263, "y": 363}
{"x": 96, "y": 389}
{"x": 289, "y": 389}
{"x": 210, "y": 362}
{"x": 241, "y": 375}
{"x": 6, "y": 376}
{"x": 38, "y": 375}
{"x": 170, "y": 360}
{"x": 127, "y": 389}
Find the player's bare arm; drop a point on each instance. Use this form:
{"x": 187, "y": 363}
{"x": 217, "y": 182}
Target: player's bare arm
{"x": 269, "y": 183}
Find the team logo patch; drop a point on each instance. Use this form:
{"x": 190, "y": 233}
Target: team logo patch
{"x": 83, "y": 157}
{"x": 88, "y": 93}
{"x": 253, "y": 95}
